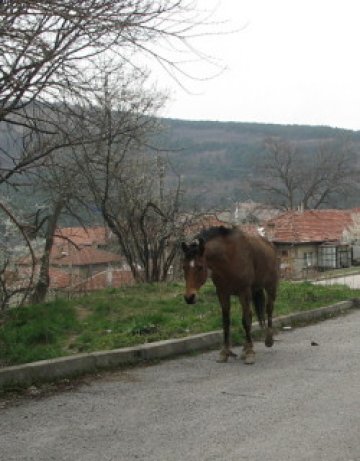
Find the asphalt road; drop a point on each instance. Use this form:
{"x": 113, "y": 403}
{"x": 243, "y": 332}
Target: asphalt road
{"x": 298, "y": 402}
{"x": 352, "y": 281}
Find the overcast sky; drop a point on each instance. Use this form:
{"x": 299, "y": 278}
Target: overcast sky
{"x": 292, "y": 62}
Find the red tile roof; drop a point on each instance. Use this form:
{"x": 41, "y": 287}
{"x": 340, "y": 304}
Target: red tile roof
{"x": 85, "y": 256}
{"x": 80, "y": 236}
{"x": 309, "y": 226}
{"x": 72, "y": 256}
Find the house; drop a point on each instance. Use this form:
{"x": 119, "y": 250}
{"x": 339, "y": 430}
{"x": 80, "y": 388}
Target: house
{"x": 17, "y": 281}
{"x": 310, "y": 240}
{"x": 86, "y": 261}
{"x": 79, "y": 261}
{"x": 111, "y": 278}
{"x": 77, "y": 256}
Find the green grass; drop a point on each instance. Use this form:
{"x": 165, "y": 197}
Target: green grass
{"x": 134, "y": 315}
{"x": 36, "y": 332}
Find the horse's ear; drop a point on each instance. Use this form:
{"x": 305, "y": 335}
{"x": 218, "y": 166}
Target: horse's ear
{"x": 201, "y": 246}
{"x": 184, "y": 247}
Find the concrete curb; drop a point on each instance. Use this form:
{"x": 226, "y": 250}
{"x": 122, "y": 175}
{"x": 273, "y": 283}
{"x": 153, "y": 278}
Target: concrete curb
{"x": 64, "y": 367}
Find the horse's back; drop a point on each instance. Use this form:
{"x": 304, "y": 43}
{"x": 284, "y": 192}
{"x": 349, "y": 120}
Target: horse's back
{"x": 255, "y": 258}
{"x": 240, "y": 260}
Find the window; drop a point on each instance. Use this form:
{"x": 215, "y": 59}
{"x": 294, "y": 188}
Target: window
{"x": 308, "y": 259}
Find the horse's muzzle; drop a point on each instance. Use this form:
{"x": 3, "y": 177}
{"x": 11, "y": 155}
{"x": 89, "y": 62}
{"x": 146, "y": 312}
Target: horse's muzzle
{"x": 190, "y": 299}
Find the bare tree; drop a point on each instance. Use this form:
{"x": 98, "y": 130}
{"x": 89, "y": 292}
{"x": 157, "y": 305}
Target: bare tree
{"x": 48, "y": 50}
{"x": 332, "y": 173}
{"x": 41, "y": 287}
{"x": 279, "y": 173}
{"x": 60, "y": 183}
{"x": 48, "y": 55}
{"x": 144, "y": 214}
{"x": 127, "y": 181}
{"x": 14, "y": 238}
{"x": 60, "y": 196}
{"x": 57, "y": 182}
{"x": 45, "y": 44}
{"x": 292, "y": 178}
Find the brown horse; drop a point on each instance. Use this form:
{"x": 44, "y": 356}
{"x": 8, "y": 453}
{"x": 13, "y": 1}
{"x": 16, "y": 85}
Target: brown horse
{"x": 239, "y": 264}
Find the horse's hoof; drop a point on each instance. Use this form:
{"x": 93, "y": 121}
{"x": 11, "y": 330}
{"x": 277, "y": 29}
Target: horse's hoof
{"x": 249, "y": 358}
{"x": 269, "y": 341}
{"x": 231, "y": 353}
{"x": 247, "y": 348}
{"x": 224, "y": 356}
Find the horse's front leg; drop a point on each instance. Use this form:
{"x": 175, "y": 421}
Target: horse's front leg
{"x": 225, "y": 352}
{"x": 248, "y": 354}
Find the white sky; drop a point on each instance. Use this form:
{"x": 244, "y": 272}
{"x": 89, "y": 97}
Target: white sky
{"x": 293, "y": 62}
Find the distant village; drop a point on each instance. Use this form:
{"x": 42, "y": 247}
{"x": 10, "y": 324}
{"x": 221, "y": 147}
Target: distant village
{"x": 308, "y": 242}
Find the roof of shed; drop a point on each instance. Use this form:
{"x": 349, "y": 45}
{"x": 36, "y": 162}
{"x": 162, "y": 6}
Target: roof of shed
{"x": 86, "y": 256}
{"x": 81, "y": 236}
{"x": 309, "y": 226}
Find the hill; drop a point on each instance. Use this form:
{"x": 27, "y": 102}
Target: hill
{"x": 217, "y": 159}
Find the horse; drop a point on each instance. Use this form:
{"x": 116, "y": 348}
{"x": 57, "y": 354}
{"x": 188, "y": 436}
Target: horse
{"x": 239, "y": 264}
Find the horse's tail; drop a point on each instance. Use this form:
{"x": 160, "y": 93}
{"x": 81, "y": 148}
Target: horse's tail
{"x": 259, "y": 305}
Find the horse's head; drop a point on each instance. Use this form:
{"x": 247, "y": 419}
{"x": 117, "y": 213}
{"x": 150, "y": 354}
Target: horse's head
{"x": 195, "y": 269}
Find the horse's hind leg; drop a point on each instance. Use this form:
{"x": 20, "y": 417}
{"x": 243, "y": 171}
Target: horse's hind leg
{"x": 248, "y": 350}
{"x": 271, "y": 294}
{"x": 225, "y": 352}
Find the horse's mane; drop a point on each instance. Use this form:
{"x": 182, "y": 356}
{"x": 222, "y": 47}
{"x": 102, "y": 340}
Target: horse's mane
{"x": 213, "y": 232}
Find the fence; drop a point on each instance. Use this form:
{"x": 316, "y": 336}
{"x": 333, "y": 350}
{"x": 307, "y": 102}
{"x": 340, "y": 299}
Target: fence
{"x": 326, "y": 273}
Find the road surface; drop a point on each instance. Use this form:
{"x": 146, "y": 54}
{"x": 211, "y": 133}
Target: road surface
{"x": 300, "y": 401}
{"x": 352, "y": 281}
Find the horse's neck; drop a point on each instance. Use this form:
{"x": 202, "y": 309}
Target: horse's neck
{"x": 214, "y": 255}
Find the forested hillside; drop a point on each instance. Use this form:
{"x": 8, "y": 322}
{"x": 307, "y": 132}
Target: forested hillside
{"x": 218, "y": 160}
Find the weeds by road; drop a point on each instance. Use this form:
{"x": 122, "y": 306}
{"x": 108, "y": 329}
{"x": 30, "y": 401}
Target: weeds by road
{"x": 134, "y": 315}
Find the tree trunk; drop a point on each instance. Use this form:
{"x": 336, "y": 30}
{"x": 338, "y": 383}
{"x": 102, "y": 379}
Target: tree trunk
{"x": 42, "y": 285}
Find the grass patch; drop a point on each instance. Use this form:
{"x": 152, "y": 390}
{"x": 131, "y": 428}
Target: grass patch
{"x": 36, "y": 332}
{"x": 297, "y": 297}
{"x": 135, "y": 315}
